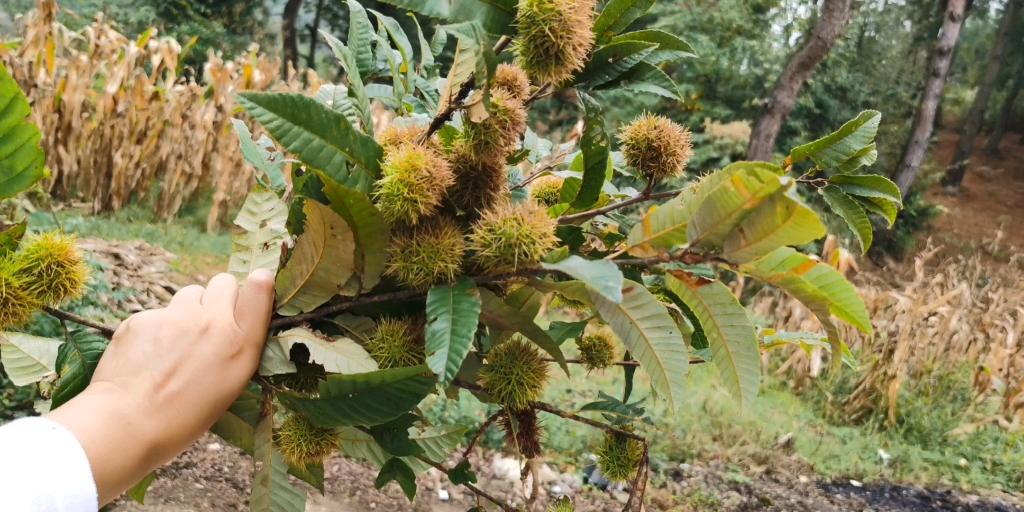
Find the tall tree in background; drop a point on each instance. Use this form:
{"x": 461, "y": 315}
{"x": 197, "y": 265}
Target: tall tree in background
{"x": 290, "y": 36}
{"x": 314, "y": 29}
{"x": 999, "y": 128}
{"x": 931, "y": 97}
{"x": 832, "y": 19}
{"x": 956, "y": 170}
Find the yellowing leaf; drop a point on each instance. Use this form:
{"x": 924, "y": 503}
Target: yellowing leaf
{"x": 263, "y": 217}
{"x": 782, "y": 220}
{"x": 28, "y": 359}
{"x": 729, "y": 204}
{"x": 340, "y": 355}
{"x": 321, "y": 263}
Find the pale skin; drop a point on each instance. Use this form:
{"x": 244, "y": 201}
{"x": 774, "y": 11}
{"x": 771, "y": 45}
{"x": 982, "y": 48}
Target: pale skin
{"x": 166, "y": 378}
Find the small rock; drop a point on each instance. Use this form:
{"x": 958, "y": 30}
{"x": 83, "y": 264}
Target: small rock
{"x": 884, "y": 455}
{"x": 443, "y": 495}
{"x": 855, "y": 483}
{"x": 505, "y": 468}
{"x": 547, "y": 475}
{"x": 686, "y": 468}
{"x": 214, "y": 447}
{"x": 200, "y": 486}
{"x": 803, "y": 479}
{"x": 622, "y": 497}
{"x": 556, "y": 490}
{"x": 373, "y": 506}
{"x": 784, "y": 442}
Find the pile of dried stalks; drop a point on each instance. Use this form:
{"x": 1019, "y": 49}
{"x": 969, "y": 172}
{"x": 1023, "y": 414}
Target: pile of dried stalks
{"x": 932, "y": 316}
{"x": 137, "y": 273}
{"x": 119, "y": 121}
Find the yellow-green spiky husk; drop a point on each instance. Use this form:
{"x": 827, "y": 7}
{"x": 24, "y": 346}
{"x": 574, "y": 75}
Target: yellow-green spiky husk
{"x": 560, "y": 301}
{"x": 619, "y": 457}
{"x": 512, "y": 80}
{"x": 656, "y": 147}
{"x": 397, "y": 343}
{"x": 563, "y": 504}
{"x": 414, "y": 181}
{"x": 480, "y": 181}
{"x": 553, "y": 38}
{"x": 522, "y": 432}
{"x": 306, "y": 378}
{"x": 50, "y": 267}
{"x": 511, "y": 237}
{"x": 395, "y": 135}
{"x": 515, "y": 374}
{"x": 597, "y": 351}
{"x": 16, "y": 303}
{"x": 496, "y": 136}
{"x": 546, "y": 190}
{"x": 301, "y": 442}
{"x": 427, "y": 254}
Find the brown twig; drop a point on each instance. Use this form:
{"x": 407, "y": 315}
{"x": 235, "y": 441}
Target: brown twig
{"x": 542, "y": 92}
{"x": 617, "y": 363}
{"x": 637, "y": 485}
{"x": 502, "y": 44}
{"x": 476, "y": 490}
{"x": 106, "y": 330}
{"x": 550, "y": 409}
{"x": 480, "y": 433}
{"x": 541, "y": 170}
{"x": 569, "y": 219}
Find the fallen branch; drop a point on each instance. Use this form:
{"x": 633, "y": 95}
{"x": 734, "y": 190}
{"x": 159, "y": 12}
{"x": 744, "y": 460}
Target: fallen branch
{"x": 569, "y": 219}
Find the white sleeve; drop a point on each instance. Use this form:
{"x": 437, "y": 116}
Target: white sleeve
{"x": 43, "y": 468}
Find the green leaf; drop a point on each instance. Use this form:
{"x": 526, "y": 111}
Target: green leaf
{"x": 670, "y": 47}
{"x": 693, "y": 197}
{"x": 437, "y": 443}
{"x": 462, "y": 473}
{"x": 474, "y": 40}
{"x": 321, "y": 138}
{"x": 883, "y": 207}
{"x": 22, "y": 161}
{"x": 805, "y": 340}
{"x": 645, "y": 77}
{"x": 268, "y": 163}
{"x": 453, "y": 313}
{"x": 617, "y": 16}
{"x": 76, "y": 363}
{"x": 401, "y": 40}
{"x": 10, "y": 237}
{"x": 608, "y": 62}
{"x": 397, "y": 470}
{"x": 312, "y": 474}
{"x": 594, "y": 148}
{"x": 465, "y": 65}
{"x": 263, "y": 217}
{"x": 393, "y": 436}
{"x": 729, "y": 204}
{"x": 845, "y": 303}
{"x": 274, "y": 360}
{"x": 359, "y": 327}
{"x": 138, "y": 491}
{"x": 28, "y": 359}
{"x": 651, "y": 337}
{"x": 494, "y": 16}
{"x": 360, "y": 37}
{"x": 604, "y": 277}
{"x": 496, "y": 314}
{"x": 728, "y": 329}
{"x": 561, "y": 331}
{"x": 321, "y": 263}
{"x": 663, "y": 227}
{"x": 363, "y": 398}
{"x": 779, "y": 221}
{"x": 356, "y": 89}
{"x": 868, "y": 185}
{"x": 271, "y": 491}
{"x": 840, "y": 146}
{"x": 854, "y": 215}
{"x": 339, "y": 355}
{"x": 368, "y": 226}
{"x": 426, "y": 56}
{"x": 862, "y": 158}
{"x": 237, "y": 425}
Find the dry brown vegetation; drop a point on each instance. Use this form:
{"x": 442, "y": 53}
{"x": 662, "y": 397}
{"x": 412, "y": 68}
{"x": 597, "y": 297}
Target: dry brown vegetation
{"x": 120, "y": 122}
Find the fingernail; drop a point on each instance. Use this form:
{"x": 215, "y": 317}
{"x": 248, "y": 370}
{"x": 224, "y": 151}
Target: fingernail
{"x": 262, "y": 274}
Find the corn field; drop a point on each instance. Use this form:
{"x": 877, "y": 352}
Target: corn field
{"x": 933, "y": 315}
{"x": 120, "y": 122}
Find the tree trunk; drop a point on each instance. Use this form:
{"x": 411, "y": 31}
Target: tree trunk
{"x": 931, "y": 97}
{"x": 955, "y": 172}
{"x": 289, "y": 37}
{"x": 992, "y": 149}
{"x": 835, "y": 14}
{"x": 314, "y": 34}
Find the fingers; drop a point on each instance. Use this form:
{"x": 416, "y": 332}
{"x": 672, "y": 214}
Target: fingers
{"x": 255, "y": 305}
{"x": 187, "y": 296}
{"x": 221, "y": 292}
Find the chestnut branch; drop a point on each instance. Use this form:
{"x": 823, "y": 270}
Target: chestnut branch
{"x": 646, "y": 196}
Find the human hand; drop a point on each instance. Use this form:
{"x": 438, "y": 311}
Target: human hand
{"x": 167, "y": 376}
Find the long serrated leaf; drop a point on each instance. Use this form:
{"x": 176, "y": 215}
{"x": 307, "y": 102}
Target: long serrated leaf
{"x": 426, "y": 56}
{"x": 360, "y": 37}
{"x": 883, "y": 207}
{"x": 838, "y": 147}
{"x": 862, "y": 158}
{"x": 594, "y": 149}
{"x": 868, "y": 185}
{"x": 356, "y": 90}
{"x": 138, "y": 491}
{"x": 271, "y": 491}
{"x": 396, "y": 469}
{"x": 22, "y": 161}
{"x": 398, "y": 35}
{"x": 608, "y": 62}
{"x": 651, "y": 336}
{"x": 364, "y": 398}
{"x": 274, "y": 359}
{"x": 852, "y": 212}
{"x": 76, "y": 363}
{"x": 312, "y": 474}
{"x": 320, "y": 137}
{"x": 339, "y": 355}
{"x": 453, "y": 312}
{"x": 604, "y": 277}
{"x": 562, "y": 331}
{"x": 729, "y": 204}
{"x": 618, "y": 15}
{"x": 10, "y": 237}
{"x": 844, "y": 301}
{"x": 263, "y": 217}
{"x": 437, "y": 443}
{"x": 495, "y": 16}
{"x": 728, "y": 329}
{"x": 496, "y": 314}
{"x": 321, "y": 263}
{"x": 693, "y": 197}
{"x": 261, "y": 159}
{"x": 237, "y": 424}
{"x": 670, "y": 47}
{"x": 662, "y": 228}
{"x": 644, "y": 77}
{"x": 781, "y": 220}
{"x": 462, "y": 70}
{"x": 28, "y": 359}
{"x": 368, "y": 226}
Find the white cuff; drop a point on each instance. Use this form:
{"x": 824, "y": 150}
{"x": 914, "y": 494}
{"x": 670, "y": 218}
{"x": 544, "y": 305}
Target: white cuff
{"x": 43, "y": 468}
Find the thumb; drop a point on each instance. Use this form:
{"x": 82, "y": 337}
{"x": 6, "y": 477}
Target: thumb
{"x": 255, "y": 305}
